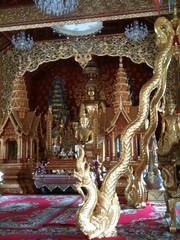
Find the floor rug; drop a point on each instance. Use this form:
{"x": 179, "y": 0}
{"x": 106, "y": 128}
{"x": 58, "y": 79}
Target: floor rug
{"x": 57, "y": 219}
{"x": 33, "y": 211}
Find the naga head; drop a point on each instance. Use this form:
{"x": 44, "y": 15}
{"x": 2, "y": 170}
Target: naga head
{"x": 164, "y": 29}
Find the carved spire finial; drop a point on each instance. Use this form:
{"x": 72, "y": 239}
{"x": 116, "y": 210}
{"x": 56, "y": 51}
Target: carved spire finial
{"x": 121, "y": 93}
{"x": 19, "y": 100}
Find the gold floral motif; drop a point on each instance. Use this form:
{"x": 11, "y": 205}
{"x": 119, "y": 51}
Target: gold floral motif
{"x": 17, "y": 62}
{"x": 83, "y": 59}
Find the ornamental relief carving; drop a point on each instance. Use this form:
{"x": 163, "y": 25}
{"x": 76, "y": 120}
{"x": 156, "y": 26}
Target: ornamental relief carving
{"x": 17, "y": 62}
{"x": 25, "y": 16}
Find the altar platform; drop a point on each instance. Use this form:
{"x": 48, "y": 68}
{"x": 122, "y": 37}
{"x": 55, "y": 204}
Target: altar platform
{"x": 53, "y": 181}
{"x": 67, "y": 164}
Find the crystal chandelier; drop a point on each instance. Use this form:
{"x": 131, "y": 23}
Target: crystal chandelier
{"x": 20, "y": 41}
{"x": 136, "y": 32}
{"x": 79, "y": 29}
{"x": 57, "y": 7}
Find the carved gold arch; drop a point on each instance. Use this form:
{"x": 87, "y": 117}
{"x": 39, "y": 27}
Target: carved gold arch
{"x": 16, "y": 62}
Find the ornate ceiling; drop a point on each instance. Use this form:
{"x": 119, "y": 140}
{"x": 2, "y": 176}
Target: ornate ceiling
{"x": 115, "y": 14}
{"x": 16, "y": 15}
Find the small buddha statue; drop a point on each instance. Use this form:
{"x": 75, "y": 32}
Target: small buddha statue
{"x": 61, "y": 130}
{"x": 170, "y": 128}
{"x": 55, "y": 146}
{"x": 70, "y": 153}
{"x": 62, "y": 153}
{"x": 85, "y": 131}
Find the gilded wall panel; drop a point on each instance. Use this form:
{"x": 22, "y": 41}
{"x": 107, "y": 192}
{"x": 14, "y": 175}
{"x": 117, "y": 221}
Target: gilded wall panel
{"x": 30, "y": 17}
{"x": 17, "y": 62}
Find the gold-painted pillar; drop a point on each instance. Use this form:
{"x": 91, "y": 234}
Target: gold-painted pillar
{"x": 2, "y": 150}
{"x": 103, "y": 154}
{"x": 27, "y": 145}
{"x": 31, "y": 148}
{"x": 19, "y": 149}
{"x": 95, "y": 130}
{"x": 103, "y": 150}
{"x": 37, "y": 149}
{"x": 113, "y": 147}
{"x": 49, "y": 119}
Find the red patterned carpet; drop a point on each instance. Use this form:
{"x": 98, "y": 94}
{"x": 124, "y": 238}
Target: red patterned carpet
{"x": 48, "y": 217}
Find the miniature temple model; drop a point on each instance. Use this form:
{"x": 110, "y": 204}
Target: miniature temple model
{"x": 123, "y": 112}
{"x": 19, "y": 141}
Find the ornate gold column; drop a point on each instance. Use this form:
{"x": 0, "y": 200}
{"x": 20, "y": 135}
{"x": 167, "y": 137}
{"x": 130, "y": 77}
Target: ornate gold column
{"x": 31, "y": 148}
{"x": 95, "y": 129}
{"x": 49, "y": 119}
{"x": 103, "y": 151}
{"x": 19, "y": 148}
{"x": 27, "y": 150}
{"x": 113, "y": 147}
{"x": 2, "y": 150}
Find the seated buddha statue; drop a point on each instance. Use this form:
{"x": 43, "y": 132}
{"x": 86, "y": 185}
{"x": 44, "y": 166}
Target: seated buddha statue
{"x": 170, "y": 128}
{"x": 85, "y": 131}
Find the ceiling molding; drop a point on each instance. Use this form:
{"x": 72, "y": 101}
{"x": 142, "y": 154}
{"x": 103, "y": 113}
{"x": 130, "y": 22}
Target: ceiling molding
{"x": 29, "y": 17}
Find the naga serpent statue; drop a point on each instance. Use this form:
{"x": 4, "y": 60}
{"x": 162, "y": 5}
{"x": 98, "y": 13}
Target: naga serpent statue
{"x": 135, "y": 190}
{"x": 99, "y": 213}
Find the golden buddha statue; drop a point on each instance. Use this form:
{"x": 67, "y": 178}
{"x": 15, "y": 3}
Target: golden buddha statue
{"x": 85, "y": 131}
{"x": 170, "y": 128}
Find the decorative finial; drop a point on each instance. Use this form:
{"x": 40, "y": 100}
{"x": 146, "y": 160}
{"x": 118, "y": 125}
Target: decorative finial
{"x": 175, "y": 19}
